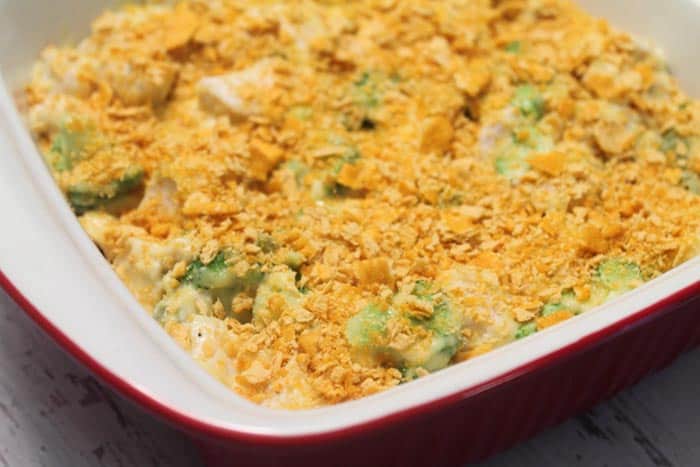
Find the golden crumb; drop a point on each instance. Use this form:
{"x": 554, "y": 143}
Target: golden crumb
{"x": 320, "y": 200}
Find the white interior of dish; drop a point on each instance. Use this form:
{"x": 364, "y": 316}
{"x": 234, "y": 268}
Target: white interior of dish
{"x": 51, "y": 260}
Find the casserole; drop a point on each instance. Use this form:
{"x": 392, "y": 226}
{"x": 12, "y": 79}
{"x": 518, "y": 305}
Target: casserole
{"x": 89, "y": 306}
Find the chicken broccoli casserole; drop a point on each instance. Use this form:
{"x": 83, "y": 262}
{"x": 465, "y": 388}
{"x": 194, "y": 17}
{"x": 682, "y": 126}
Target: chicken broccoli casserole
{"x": 320, "y": 200}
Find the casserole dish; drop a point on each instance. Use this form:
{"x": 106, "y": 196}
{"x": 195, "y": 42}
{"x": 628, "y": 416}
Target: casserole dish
{"x": 90, "y": 308}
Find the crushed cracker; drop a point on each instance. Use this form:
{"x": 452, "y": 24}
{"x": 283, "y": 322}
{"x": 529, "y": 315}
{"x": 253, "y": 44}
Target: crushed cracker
{"x": 260, "y": 173}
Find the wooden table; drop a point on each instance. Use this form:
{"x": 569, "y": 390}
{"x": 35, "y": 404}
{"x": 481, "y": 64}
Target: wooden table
{"x": 53, "y": 413}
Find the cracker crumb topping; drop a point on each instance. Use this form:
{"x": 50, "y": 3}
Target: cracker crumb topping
{"x": 321, "y": 200}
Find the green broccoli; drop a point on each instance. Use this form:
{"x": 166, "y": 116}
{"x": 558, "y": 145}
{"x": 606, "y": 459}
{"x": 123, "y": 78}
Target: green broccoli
{"x": 367, "y": 93}
{"x": 70, "y": 146}
{"x": 567, "y": 301}
{"x": 366, "y": 90}
{"x": 294, "y": 260}
{"x": 301, "y": 112}
{"x": 423, "y": 289}
{"x": 112, "y": 196}
{"x": 327, "y": 185}
{"x": 617, "y": 276}
{"x": 298, "y": 169}
{"x": 511, "y": 153}
{"x": 612, "y": 277}
{"x": 207, "y": 284}
{"x": 511, "y": 159}
{"x": 351, "y": 156}
{"x": 529, "y": 101}
{"x": 691, "y": 181}
{"x": 266, "y": 243}
{"x": 182, "y": 303}
{"x": 526, "y": 329}
{"x": 279, "y": 284}
{"x": 368, "y": 326}
{"x": 433, "y": 339}
{"x": 513, "y": 47}
{"x": 215, "y": 274}
{"x": 217, "y": 280}
{"x": 670, "y": 141}
{"x": 512, "y": 164}
{"x": 218, "y": 274}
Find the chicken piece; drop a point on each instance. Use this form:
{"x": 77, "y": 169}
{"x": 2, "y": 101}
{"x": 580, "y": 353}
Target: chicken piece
{"x": 48, "y": 116}
{"x": 138, "y": 259}
{"x": 240, "y": 93}
{"x": 66, "y": 71}
{"x": 141, "y": 82}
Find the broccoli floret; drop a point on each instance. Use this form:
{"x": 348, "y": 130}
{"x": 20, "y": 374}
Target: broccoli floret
{"x": 526, "y": 329}
{"x": 446, "y": 326}
{"x": 567, "y": 301}
{"x": 529, "y": 101}
{"x": 617, "y": 276}
{"x": 691, "y": 181}
{"x": 327, "y": 185}
{"x": 511, "y": 161}
{"x": 513, "y": 47}
{"x": 299, "y": 169}
{"x": 670, "y": 145}
{"x": 215, "y": 274}
{"x": 434, "y": 336}
{"x": 334, "y": 190}
{"x": 550, "y": 308}
{"x": 280, "y": 284}
{"x": 367, "y": 93}
{"x": 670, "y": 141}
{"x": 70, "y": 145}
{"x": 266, "y": 243}
{"x": 351, "y": 156}
{"x": 181, "y": 304}
{"x": 112, "y": 196}
{"x": 511, "y": 153}
{"x": 511, "y": 164}
{"x": 74, "y": 142}
{"x": 612, "y": 277}
{"x": 217, "y": 280}
{"x": 423, "y": 289}
{"x": 301, "y": 112}
{"x": 366, "y": 89}
{"x": 367, "y": 327}
{"x": 294, "y": 260}
{"x": 218, "y": 274}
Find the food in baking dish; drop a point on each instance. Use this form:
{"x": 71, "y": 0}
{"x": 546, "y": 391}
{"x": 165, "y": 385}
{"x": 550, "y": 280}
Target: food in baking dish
{"x": 319, "y": 200}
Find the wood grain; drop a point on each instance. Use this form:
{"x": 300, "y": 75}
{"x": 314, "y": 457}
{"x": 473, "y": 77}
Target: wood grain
{"x": 54, "y": 413}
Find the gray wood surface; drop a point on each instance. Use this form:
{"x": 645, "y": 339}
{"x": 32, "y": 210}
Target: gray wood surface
{"x": 53, "y": 413}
